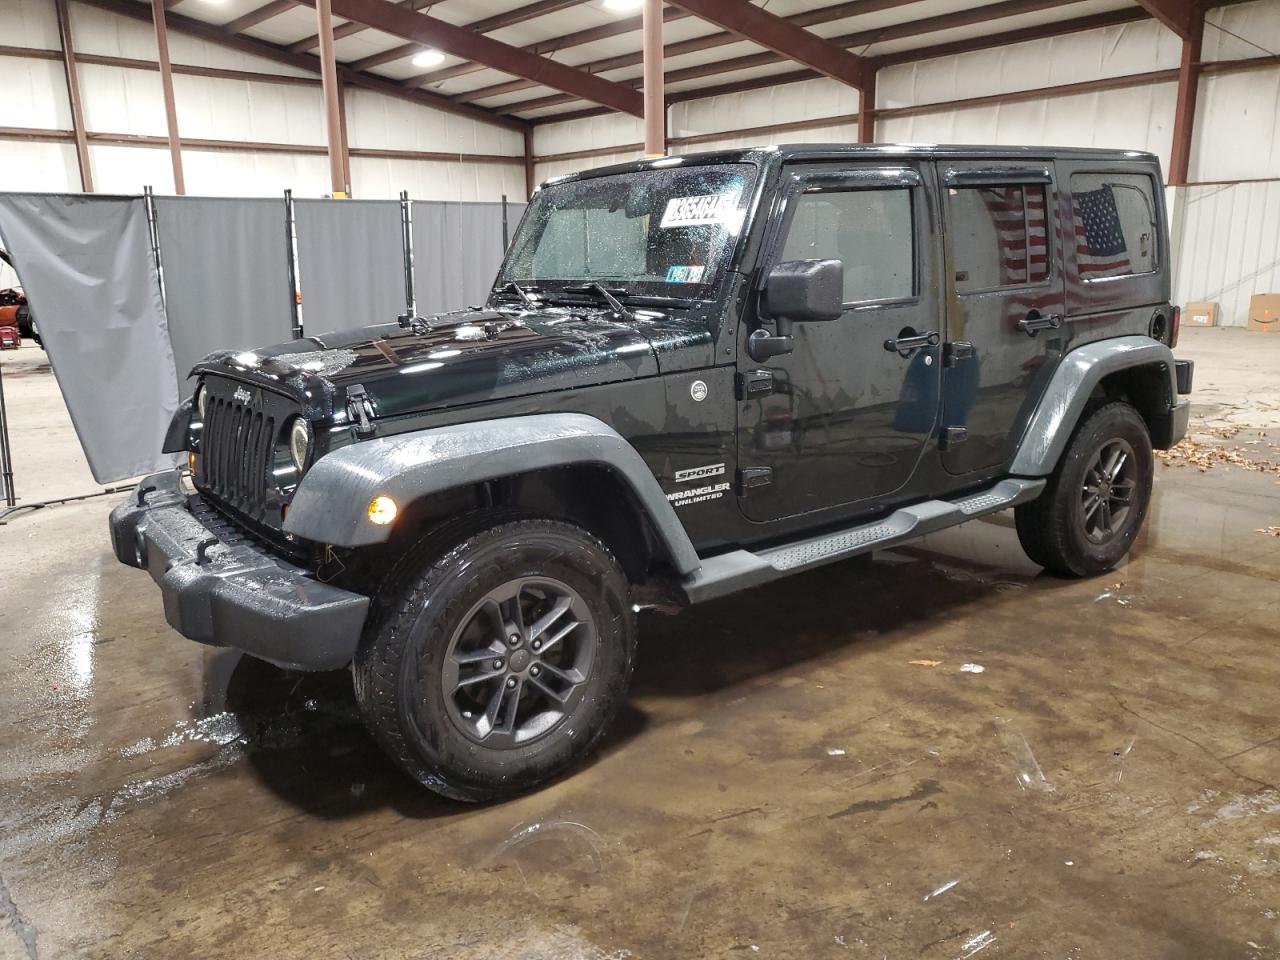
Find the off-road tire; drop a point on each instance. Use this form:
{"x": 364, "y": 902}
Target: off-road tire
{"x": 1052, "y": 528}
{"x": 399, "y": 667}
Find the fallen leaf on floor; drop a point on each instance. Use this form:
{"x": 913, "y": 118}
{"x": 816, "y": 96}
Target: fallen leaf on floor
{"x": 925, "y": 663}
{"x": 1206, "y": 455}
{"x": 1269, "y": 531}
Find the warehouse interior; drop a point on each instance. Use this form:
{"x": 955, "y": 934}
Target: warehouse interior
{"x": 936, "y": 751}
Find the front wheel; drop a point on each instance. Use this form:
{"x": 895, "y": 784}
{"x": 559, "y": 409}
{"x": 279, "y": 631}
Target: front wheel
{"x": 1096, "y": 499}
{"x": 497, "y": 663}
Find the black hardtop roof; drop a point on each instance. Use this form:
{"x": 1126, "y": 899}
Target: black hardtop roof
{"x": 868, "y": 151}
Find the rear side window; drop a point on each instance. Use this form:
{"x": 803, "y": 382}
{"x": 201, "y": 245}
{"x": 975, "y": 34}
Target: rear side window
{"x": 870, "y": 231}
{"x": 1115, "y": 224}
{"x": 998, "y": 236}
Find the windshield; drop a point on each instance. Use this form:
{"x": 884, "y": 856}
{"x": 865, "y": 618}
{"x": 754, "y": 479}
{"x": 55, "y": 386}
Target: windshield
{"x": 667, "y": 232}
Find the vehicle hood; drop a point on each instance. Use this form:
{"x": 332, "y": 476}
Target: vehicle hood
{"x": 464, "y": 357}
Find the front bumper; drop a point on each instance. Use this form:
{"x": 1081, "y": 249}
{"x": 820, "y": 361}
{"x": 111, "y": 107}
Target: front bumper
{"x": 230, "y": 592}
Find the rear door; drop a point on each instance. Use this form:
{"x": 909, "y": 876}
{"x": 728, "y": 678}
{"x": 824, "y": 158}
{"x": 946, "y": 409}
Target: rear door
{"x": 1005, "y": 305}
{"x": 843, "y": 419}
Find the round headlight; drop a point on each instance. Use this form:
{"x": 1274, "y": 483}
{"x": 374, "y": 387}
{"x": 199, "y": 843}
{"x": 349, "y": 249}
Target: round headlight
{"x": 200, "y": 398}
{"x": 299, "y": 442}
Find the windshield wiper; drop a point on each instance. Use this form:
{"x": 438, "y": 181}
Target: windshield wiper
{"x": 512, "y": 287}
{"x": 605, "y": 294}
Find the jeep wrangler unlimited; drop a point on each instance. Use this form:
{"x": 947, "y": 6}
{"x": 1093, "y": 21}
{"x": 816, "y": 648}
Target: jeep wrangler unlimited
{"x": 693, "y": 375}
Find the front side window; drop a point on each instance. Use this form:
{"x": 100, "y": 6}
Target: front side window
{"x": 869, "y": 231}
{"x": 998, "y": 236}
{"x": 666, "y": 232}
{"x": 1115, "y": 224}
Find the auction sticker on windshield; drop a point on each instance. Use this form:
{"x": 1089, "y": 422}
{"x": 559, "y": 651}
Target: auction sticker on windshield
{"x": 694, "y": 211}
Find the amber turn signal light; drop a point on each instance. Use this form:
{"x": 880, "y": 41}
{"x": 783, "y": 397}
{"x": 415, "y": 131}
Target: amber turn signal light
{"x": 382, "y": 511}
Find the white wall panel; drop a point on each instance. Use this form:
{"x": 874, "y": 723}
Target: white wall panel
{"x": 211, "y": 108}
{"x": 226, "y": 173}
{"x": 29, "y": 23}
{"x": 121, "y": 101}
{"x": 610, "y": 129}
{"x": 374, "y": 178}
{"x": 1136, "y": 118}
{"x": 1229, "y": 246}
{"x": 837, "y": 133}
{"x": 559, "y": 168}
{"x": 33, "y": 93}
{"x": 385, "y": 123}
{"x": 810, "y": 99}
{"x": 1074, "y": 58}
{"x": 1242, "y": 31}
{"x": 126, "y": 169}
{"x": 40, "y": 167}
{"x": 103, "y": 33}
{"x": 1237, "y": 129}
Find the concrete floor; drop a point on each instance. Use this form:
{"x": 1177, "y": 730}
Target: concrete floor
{"x": 784, "y": 781}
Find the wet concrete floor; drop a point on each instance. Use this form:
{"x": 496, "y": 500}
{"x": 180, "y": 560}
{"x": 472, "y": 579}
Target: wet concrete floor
{"x": 785, "y": 781}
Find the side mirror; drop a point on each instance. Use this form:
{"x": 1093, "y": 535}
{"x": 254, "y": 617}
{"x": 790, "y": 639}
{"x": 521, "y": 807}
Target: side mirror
{"x": 798, "y": 291}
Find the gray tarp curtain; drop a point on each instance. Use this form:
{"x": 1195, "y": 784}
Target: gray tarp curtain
{"x": 226, "y": 276}
{"x": 457, "y": 248}
{"x": 350, "y": 263}
{"x": 86, "y": 266}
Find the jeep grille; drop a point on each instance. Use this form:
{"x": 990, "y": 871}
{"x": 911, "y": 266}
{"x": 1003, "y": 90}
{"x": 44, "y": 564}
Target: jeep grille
{"x": 237, "y": 450}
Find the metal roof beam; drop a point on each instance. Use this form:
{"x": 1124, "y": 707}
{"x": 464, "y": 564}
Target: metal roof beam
{"x": 462, "y": 42}
{"x": 303, "y": 61}
{"x": 553, "y": 45}
{"x": 898, "y": 31}
{"x": 1180, "y": 16}
{"x": 259, "y": 15}
{"x": 785, "y": 39}
{"x": 840, "y": 11}
{"x": 351, "y": 28}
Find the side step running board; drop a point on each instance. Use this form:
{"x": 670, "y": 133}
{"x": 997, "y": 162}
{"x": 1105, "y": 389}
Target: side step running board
{"x": 740, "y": 569}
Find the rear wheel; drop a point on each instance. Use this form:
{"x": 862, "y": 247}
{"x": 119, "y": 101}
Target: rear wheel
{"x": 496, "y": 662}
{"x": 1096, "y": 499}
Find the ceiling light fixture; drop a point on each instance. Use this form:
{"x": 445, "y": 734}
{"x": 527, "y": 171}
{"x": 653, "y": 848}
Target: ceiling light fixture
{"x": 428, "y": 58}
{"x": 623, "y": 6}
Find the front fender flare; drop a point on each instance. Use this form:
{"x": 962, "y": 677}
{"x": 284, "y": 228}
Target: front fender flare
{"x": 331, "y": 500}
{"x": 1069, "y": 390}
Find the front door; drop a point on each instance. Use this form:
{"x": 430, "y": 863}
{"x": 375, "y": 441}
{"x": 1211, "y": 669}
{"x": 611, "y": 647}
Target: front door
{"x": 1004, "y": 316}
{"x": 842, "y": 419}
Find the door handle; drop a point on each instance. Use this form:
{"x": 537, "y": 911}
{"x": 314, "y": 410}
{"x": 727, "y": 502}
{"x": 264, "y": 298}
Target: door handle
{"x": 907, "y": 339}
{"x": 1034, "y": 323}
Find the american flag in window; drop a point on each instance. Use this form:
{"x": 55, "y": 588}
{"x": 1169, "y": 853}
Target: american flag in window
{"x": 1101, "y": 250}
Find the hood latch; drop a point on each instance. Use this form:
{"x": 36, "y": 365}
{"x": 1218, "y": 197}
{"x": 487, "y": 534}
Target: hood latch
{"x": 360, "y": 409}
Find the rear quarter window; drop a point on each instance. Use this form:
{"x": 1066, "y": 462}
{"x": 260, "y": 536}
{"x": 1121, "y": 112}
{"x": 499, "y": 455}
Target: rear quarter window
{"x": 1116, "y": 225}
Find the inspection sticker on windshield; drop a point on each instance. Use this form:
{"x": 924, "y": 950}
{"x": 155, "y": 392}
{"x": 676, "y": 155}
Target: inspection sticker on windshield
{"x": 692, "y": 211}
{"x": 682, "y": 274}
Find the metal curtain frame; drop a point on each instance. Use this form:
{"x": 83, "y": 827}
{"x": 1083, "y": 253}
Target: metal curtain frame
{"x": 406, "y": 244}
{"x": 295, "y": 276}
{"x": 6, "y": 454}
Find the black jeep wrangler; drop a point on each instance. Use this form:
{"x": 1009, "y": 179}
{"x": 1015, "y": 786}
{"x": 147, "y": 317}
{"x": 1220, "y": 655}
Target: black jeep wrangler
{"x": 693, "y": 375}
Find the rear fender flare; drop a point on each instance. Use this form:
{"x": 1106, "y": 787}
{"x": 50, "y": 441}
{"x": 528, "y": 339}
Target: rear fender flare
{"x": 331, "y": 502}
{"x": 1068, "y": 393}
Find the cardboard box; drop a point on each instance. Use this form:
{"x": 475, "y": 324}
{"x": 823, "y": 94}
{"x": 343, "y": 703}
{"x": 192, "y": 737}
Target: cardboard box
{"x": 1200, "y": 314}
{"x": 1264, "y": 312}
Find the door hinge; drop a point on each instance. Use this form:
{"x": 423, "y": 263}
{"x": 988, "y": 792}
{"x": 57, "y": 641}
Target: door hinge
{"x": 360, "y": 409}
{"x": 952, "y": 437}
{"x": 955, "y": 352}
{"x": 752, "y": 384}
{"x": 752, "y": 477}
